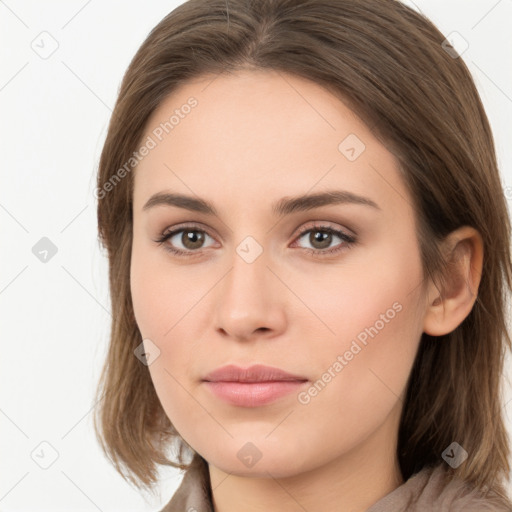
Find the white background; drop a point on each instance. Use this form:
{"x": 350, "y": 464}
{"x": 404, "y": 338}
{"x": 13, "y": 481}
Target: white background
{"x": 55, "y": 320}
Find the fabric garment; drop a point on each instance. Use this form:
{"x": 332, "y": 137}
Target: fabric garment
{"x": 423, "y": 492}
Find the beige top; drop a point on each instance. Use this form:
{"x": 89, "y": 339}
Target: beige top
{"x": 423, "y": 492}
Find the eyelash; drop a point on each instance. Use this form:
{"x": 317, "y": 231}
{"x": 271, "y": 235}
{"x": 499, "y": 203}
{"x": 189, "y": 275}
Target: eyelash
{"x": 347, "y": 239}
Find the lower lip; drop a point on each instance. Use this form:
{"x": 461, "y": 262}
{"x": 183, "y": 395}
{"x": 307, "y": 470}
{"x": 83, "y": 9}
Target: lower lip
{"x": 253, "y": 394}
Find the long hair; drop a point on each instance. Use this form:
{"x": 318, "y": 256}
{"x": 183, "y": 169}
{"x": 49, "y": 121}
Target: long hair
{"x": 393, "y": 68}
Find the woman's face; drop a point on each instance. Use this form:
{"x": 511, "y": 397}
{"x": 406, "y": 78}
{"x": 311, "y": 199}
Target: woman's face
{"x": 259, "y": 284}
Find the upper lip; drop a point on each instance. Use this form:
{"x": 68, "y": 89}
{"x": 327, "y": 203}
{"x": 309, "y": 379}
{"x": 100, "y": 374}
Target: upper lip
{"x": 255, "y": 373}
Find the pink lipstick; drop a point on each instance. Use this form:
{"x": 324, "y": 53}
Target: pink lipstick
{"x": 252, "y": 387}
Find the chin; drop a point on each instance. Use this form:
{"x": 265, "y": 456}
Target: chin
{"x": 258, "y": 459}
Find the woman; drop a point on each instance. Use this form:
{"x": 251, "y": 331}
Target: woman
{"x": 309, "y": 254}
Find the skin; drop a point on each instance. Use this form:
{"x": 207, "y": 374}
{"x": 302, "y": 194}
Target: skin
{"x": 254, "y": 138}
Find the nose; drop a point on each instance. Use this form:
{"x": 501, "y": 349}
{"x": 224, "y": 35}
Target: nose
{"x": 251, "y": 301}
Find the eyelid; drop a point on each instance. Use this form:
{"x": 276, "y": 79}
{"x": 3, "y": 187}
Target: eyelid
{"x": 321, "y": 225}
{"x": 196, "y": 226}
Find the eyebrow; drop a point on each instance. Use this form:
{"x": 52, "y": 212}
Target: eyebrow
{"x": 284, "y": 206}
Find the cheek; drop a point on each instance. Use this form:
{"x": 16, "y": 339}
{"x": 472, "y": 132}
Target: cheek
{"x": 370, "y": 369}
{"x": 361, "y": 292}
{"x": 160, "y": 304}
{"x": 167, "y": 304}
{"x": 158, "y": 296}
{"x": 372, "y": 301}
{"x": 376, "y": 318}
{"x": 148, "y": 298}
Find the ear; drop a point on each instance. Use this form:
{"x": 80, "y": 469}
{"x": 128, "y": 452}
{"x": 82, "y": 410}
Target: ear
{"x": 447, "y": 308}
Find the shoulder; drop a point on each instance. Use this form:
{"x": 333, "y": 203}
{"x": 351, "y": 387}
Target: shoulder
{"x": 433, "y": 488}
{"x": 457, "y": 495}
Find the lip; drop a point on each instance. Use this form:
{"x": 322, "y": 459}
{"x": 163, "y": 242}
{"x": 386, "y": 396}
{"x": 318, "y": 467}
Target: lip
{"x": 254, "y": 373}
{"x": 252, "y": 387}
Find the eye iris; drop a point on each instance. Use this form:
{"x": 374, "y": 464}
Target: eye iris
{"x": 192, "y": 239}
{"x": 324, "y": 238}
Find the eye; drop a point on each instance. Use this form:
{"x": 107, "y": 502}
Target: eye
{"x": 321, "y": 237}
{"x": 190, "y": 237}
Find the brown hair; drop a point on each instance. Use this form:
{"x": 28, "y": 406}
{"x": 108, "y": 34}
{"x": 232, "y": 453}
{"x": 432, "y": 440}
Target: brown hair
{"x": 389, "y": 65}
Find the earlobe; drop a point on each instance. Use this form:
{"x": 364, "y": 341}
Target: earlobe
{"x": 447, "y": 308}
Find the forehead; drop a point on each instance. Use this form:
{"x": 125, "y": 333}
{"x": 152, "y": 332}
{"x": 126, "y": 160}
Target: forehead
{"x": 258, "y": 134}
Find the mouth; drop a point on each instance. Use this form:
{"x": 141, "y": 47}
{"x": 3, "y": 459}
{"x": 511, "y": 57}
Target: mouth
{"x": 252, "y": 387}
